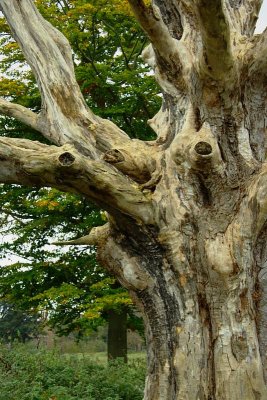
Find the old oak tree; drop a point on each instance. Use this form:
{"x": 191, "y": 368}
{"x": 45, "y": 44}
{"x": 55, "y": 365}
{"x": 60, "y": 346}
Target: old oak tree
{"x": 187, "y": 212}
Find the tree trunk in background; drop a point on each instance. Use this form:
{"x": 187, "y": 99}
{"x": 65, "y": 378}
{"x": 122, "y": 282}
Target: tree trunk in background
{"x": 117, "y": 335}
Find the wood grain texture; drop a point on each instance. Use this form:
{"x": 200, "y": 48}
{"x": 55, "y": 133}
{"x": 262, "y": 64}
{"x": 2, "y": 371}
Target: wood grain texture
{"x": 187, "y": 213}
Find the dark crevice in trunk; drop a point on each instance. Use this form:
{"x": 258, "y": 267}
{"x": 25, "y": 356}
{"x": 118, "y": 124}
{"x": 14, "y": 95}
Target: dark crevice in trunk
{"x": 171, "y": 18}
{"x": 205, "y": 314}
{"x": 162, "y": 323}
{"x": 260, "y": 294}
{"x": 162, "y": 310}
{"x": 254, "y": 105}
{"x": 205, "y": 191}
{"x": 197, "y": 115}
{"x": 235, "y": 3}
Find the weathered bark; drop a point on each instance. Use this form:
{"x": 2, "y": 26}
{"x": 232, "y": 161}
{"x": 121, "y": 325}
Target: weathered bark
{"x": 187, "y": 213}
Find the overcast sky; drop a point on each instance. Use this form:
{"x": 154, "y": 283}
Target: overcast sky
{"x": 262, "y": 21}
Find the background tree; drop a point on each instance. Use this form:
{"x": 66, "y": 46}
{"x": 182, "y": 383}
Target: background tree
{"x": 107, "y": 67}
{"x": 187, "y": 213}
{"x": 16, "y": 325}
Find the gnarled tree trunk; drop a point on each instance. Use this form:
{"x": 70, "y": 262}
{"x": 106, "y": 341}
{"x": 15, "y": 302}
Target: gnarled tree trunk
{"x": 187, "y": 212}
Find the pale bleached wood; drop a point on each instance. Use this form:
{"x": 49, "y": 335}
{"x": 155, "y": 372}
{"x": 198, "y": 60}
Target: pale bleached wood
{"x": 255, "y": 57}
{"x": 137, "y": 158}
{"x": 35, "y": 164}
{"x": 19, "y": 112}
{"x": 243, "y": 15}
{"x": 49, "y": 55}
{"x": 94, "y": 237}
{"x": 64, "y": 117}
{"x": 167, "y": 49}
{"x": 217, "y": 61}
{"x": 187, "y": 214}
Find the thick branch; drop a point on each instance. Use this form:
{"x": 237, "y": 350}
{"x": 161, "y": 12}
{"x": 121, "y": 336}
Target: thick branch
{"x": 34, "y": 164}
{"x": 256, "y": 57}
{"x": 244, "y": 15}
{"x": 49, "y": 55}
{"x": 19, "y": 112}
{"x": 132, "y": 157}
{"x": 65, "y": 118}
{"x": 153, "y": 25}
{"x": 167, "y": 49}
{"x": 217, "y": 59}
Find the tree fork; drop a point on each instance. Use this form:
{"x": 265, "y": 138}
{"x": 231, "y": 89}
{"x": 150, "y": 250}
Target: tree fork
{"x": 187, "y": 213}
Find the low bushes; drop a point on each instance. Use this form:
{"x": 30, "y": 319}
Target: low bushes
{"x": 46, "y": 375}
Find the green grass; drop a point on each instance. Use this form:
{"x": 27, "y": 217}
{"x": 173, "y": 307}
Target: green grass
{"x": 101, "y": 357}
{"x": 43, "y": 375}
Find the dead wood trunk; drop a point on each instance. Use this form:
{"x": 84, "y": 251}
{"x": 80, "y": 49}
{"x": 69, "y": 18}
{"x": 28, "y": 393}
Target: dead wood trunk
{"x": 200, "y": 299}
{"x": 187, "y": 213}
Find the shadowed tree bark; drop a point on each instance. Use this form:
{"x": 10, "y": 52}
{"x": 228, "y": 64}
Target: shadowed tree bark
{"x": 187, "y": 213}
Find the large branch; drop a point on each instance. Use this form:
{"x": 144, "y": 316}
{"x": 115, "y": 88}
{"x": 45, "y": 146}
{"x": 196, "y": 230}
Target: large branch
{"x": 153, "y": 25}
{"x": 256, "y": 57}
{"x": 226, "y": 28}
{"x": 65, "y": 118}
{"x": 244, "y": 15}
{"x": 132, "y": 157}
{"x": 19, "y": 112}
{"x": 204, "y": 50}
{"x": 34, "y": 164}
{"x": 49, "y": 55}
{"x": 217, "y": 60}
{"x": 169, "y": 52}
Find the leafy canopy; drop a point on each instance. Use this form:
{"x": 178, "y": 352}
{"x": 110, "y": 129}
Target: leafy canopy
{"x": 107, "y": 44}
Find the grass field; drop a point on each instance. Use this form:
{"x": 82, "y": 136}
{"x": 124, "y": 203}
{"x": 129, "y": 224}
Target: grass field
{"x": 101, "y": 357}
{"x": 41, "y": 374}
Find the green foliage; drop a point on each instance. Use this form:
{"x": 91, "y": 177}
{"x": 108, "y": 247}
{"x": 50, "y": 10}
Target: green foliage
{"x": 72, "y": 287}
{"x": 16, "y": 325}
{"x": 46, "y": 375}
{"x": 107, "y": 44}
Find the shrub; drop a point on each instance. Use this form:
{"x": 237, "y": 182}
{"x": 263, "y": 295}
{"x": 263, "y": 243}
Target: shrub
{"x": 46, "y": 375}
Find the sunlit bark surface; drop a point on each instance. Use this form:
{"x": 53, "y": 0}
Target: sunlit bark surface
{"x": 187, "y": 213}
